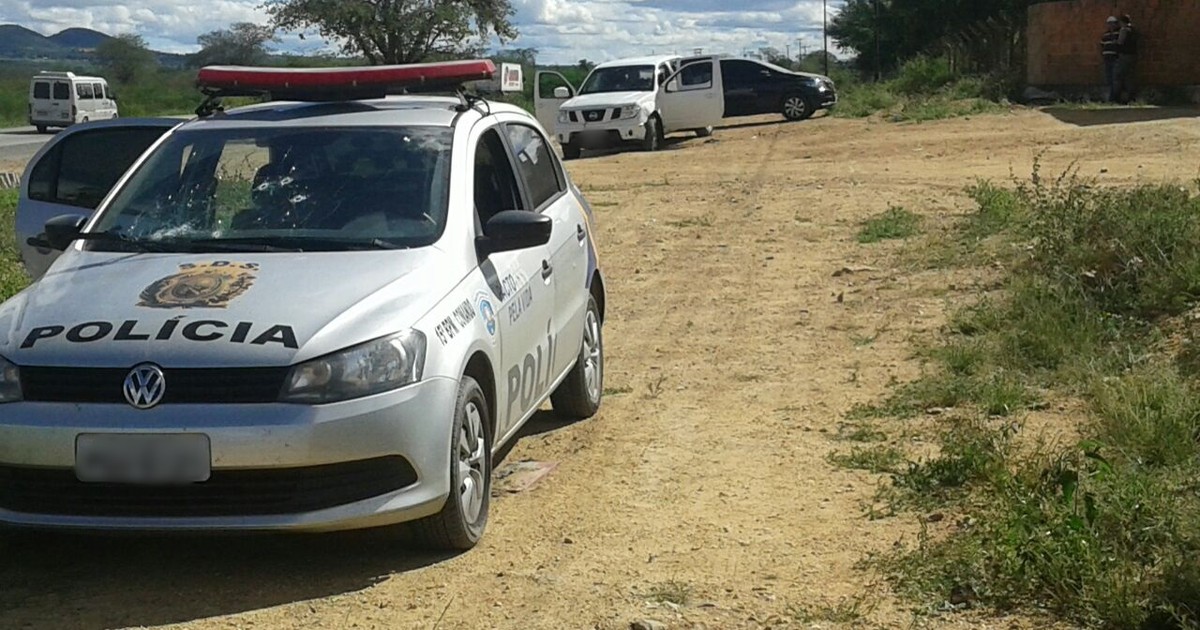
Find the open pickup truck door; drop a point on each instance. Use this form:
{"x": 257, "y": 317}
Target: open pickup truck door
{"x": 694, "y": 96}
{"x": 551, "y": 90}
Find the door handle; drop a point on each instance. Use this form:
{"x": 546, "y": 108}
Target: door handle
{"x": 580, "y": 233}
{"x": 546, "y": 269}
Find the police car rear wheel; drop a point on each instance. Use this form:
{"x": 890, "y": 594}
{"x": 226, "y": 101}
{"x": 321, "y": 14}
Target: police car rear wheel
{"x": 460, "y": 524}
{"x": 578, "y": 396}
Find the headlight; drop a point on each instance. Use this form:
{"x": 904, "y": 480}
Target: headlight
{"x": 365, "y": 369}
{"x": 564, "y": 116}
{"x": 10, "y": 382}
{"x": 631, "y": 111}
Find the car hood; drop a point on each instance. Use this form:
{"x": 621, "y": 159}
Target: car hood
{"x": 104, "y": 309}
{"x": 607, "y": 100}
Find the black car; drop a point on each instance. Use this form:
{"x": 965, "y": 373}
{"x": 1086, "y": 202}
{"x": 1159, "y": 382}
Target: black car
{"x": 756, "y": 87}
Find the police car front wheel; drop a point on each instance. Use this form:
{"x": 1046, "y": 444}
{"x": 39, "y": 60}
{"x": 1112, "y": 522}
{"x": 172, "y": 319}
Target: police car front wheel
{"x": 460, "y": 524}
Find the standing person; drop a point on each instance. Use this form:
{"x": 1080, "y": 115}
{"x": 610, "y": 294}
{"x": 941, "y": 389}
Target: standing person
{"x": 1127, "y": 51}
{"x": 1110, "y": 50}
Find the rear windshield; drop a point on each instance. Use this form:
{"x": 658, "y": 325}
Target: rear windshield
{"x": 311, "y": 189}
{"x": 41, "y": 89}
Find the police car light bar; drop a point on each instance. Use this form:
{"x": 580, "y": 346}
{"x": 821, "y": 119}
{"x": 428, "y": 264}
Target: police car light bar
{"x": 325, "y": 84}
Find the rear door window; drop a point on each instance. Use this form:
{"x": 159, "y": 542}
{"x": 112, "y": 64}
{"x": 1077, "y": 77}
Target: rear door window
{"x": 83, "y": 167}
{"x": 535, "y": 163}
{"x": 62, "y": 91}
{"x": 41, "y": 89}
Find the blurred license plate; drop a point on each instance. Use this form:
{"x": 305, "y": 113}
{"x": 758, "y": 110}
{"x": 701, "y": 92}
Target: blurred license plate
{"x": 142, "y": 458}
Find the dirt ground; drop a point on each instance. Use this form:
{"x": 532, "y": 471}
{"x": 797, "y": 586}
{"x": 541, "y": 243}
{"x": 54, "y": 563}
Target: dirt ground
{"x": 733, "y": 352}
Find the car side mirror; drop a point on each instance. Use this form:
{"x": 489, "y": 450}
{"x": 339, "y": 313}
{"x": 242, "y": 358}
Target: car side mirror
{"x": 514, "y": 229}
{"x": 562, "y": 92}
{"x": 61, "y": 231}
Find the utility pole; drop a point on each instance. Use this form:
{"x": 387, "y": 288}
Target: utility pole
{"x": 789, "y": 51}
{"x": 878, "y": 74}
{"x": 825, "y": 33}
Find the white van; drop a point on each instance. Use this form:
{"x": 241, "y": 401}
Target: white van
{"x": 61, "y": 99}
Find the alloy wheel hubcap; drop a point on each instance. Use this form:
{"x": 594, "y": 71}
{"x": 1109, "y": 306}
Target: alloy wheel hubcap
{"x": 593, "y": 360}
{"x": 795, "y": 106}
{"x": 471, "y": 460}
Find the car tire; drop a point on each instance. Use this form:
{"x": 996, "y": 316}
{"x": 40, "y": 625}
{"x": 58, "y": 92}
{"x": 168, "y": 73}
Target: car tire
{"x": 572, "y": 151}
{"x": 652, "y": 141}
{"x": 703, "y": 133}
{"x": 796, "y": 107}
{"x": 460, "y": 524}
{"x": 41, "y": 128}
{"x": 579, "y": 395}
{"x": 85, "y": 119}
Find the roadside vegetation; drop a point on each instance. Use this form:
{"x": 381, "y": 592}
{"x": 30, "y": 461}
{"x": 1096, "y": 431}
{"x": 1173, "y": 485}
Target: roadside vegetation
{"x": 924, "y": 88}
{"x": 12, "y": 276}
{"x": 1095, "y": 519}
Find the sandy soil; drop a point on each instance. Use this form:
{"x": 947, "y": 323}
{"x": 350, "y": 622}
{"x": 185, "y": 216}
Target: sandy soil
{"x": 733, "y": 352}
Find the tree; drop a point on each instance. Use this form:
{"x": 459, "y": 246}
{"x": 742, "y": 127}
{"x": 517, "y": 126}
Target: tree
{"x": 399, "y": 31}
{"x": 125, "y": 57}
{"x": 585, "y": 65}
{"x": 775, "y": 56}
{"x": 242, "y": 44}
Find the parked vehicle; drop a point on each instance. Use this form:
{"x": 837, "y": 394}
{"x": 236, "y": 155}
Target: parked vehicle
{"x": 309, "y": 314}
{"x": 61, "y": 99}
{"x": 755, "y": 87}
{"x": 631, "y": 101}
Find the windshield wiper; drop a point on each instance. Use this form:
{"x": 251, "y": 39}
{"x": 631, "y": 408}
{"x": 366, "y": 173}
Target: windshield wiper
{"x": 297, "y": 243}
{"x": 256, "y": 244}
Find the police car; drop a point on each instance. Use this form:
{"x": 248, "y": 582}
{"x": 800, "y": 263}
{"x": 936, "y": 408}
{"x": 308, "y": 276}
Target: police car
{"x": 325, "y": 311}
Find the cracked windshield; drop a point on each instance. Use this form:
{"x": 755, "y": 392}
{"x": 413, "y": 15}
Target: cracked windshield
{"x": 319, "y": 189}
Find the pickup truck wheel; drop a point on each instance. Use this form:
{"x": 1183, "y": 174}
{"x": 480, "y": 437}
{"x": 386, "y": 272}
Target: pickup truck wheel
{"x": 571, "y": 151}
{"x": 653, "y": 138}
{"x": 796, "y": 107}
{"x": 703, "y": 133}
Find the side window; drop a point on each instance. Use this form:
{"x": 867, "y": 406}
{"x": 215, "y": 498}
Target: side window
{"x": 62, "y": 91}
{"x": 82, "y": 168}
{"x": 83, "y": 90}
{"x": 738, "y": 73}
{"x": 495, "y": 183}
{"x": 664, "y": 73}
{"x": 696, "y": 76}
{"x": 534, "y": 162}
{"x": 98, "y": 90}
{"x": 41, "y": 89}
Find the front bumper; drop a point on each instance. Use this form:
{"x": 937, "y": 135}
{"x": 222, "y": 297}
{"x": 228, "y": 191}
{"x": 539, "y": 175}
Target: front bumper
{"x": 601, "y": 134}
{"x": 251, "y": 445}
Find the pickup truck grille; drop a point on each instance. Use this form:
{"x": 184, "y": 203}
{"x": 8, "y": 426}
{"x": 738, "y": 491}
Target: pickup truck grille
{"x": 594, "y": 115}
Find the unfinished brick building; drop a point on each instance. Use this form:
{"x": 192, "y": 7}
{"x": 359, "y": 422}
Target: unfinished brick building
{"x": 1064, "y": 54}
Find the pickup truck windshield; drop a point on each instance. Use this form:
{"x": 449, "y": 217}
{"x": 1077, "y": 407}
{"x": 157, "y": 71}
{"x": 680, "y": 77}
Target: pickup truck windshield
{"x": 619, "y": 79}
{"x": 304, "y": 188}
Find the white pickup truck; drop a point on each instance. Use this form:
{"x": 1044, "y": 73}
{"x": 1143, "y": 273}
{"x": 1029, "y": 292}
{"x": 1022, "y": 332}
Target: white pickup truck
{"x": 636, "y": 100}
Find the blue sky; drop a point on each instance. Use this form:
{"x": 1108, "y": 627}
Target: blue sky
{"x": 562, "y": 30}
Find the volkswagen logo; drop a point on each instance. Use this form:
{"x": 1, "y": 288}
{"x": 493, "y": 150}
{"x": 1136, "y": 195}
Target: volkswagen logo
{"x": 145, "y": 386}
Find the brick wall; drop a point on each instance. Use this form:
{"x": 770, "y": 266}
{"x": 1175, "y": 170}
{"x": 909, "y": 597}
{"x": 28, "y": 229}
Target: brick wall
{"x": 1064, "y": 41}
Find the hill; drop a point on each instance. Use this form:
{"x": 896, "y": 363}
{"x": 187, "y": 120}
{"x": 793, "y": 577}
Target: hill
{"x": 79, "y": 38}
{"x": 72, "y": 44}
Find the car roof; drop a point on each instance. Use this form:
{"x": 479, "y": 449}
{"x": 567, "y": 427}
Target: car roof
{"x": 639, "y": 61}
{"x": 389, "y": 111}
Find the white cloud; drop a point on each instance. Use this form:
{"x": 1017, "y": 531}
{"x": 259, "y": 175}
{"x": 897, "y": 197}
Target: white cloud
{"x": 563, "y": 31}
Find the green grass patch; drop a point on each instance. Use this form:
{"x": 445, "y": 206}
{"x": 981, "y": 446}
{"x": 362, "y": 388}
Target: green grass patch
{"x": 926, "y": 88}
{"x": 1103, "y": 533}
{"x": 894, "y": 223}
{"x": 877, "y": 459}
{"x": 12, "y": 274}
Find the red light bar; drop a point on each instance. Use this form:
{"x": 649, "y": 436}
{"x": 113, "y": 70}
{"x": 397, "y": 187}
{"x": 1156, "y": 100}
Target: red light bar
{"x": 351, "y": 82}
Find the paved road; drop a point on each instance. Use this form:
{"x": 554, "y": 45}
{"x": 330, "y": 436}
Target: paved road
{"x": 20, "y": 143}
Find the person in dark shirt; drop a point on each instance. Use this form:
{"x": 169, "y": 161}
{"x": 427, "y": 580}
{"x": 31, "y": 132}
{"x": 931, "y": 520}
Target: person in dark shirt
{"x": 1110, "y": 50}
{"x": 1127, "y": 50}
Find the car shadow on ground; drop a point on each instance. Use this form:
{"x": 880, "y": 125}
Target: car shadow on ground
{"x": 98, "y": 581}
{"x": 94, "y": 581}
{"x": 1118, "y": 115}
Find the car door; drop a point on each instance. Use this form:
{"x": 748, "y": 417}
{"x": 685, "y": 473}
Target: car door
{"x": 521, "y": 283}
{"x": 72, "y": 173}
{"x": 545, "y": 186}
{"x": 61, "y": 100}
{"x": 694, "y": 96}
{"x": 741, "y": 98}
{"x": 545, "y": 103}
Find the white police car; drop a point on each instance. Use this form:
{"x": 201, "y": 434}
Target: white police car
{"x": 318, "y": 313}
